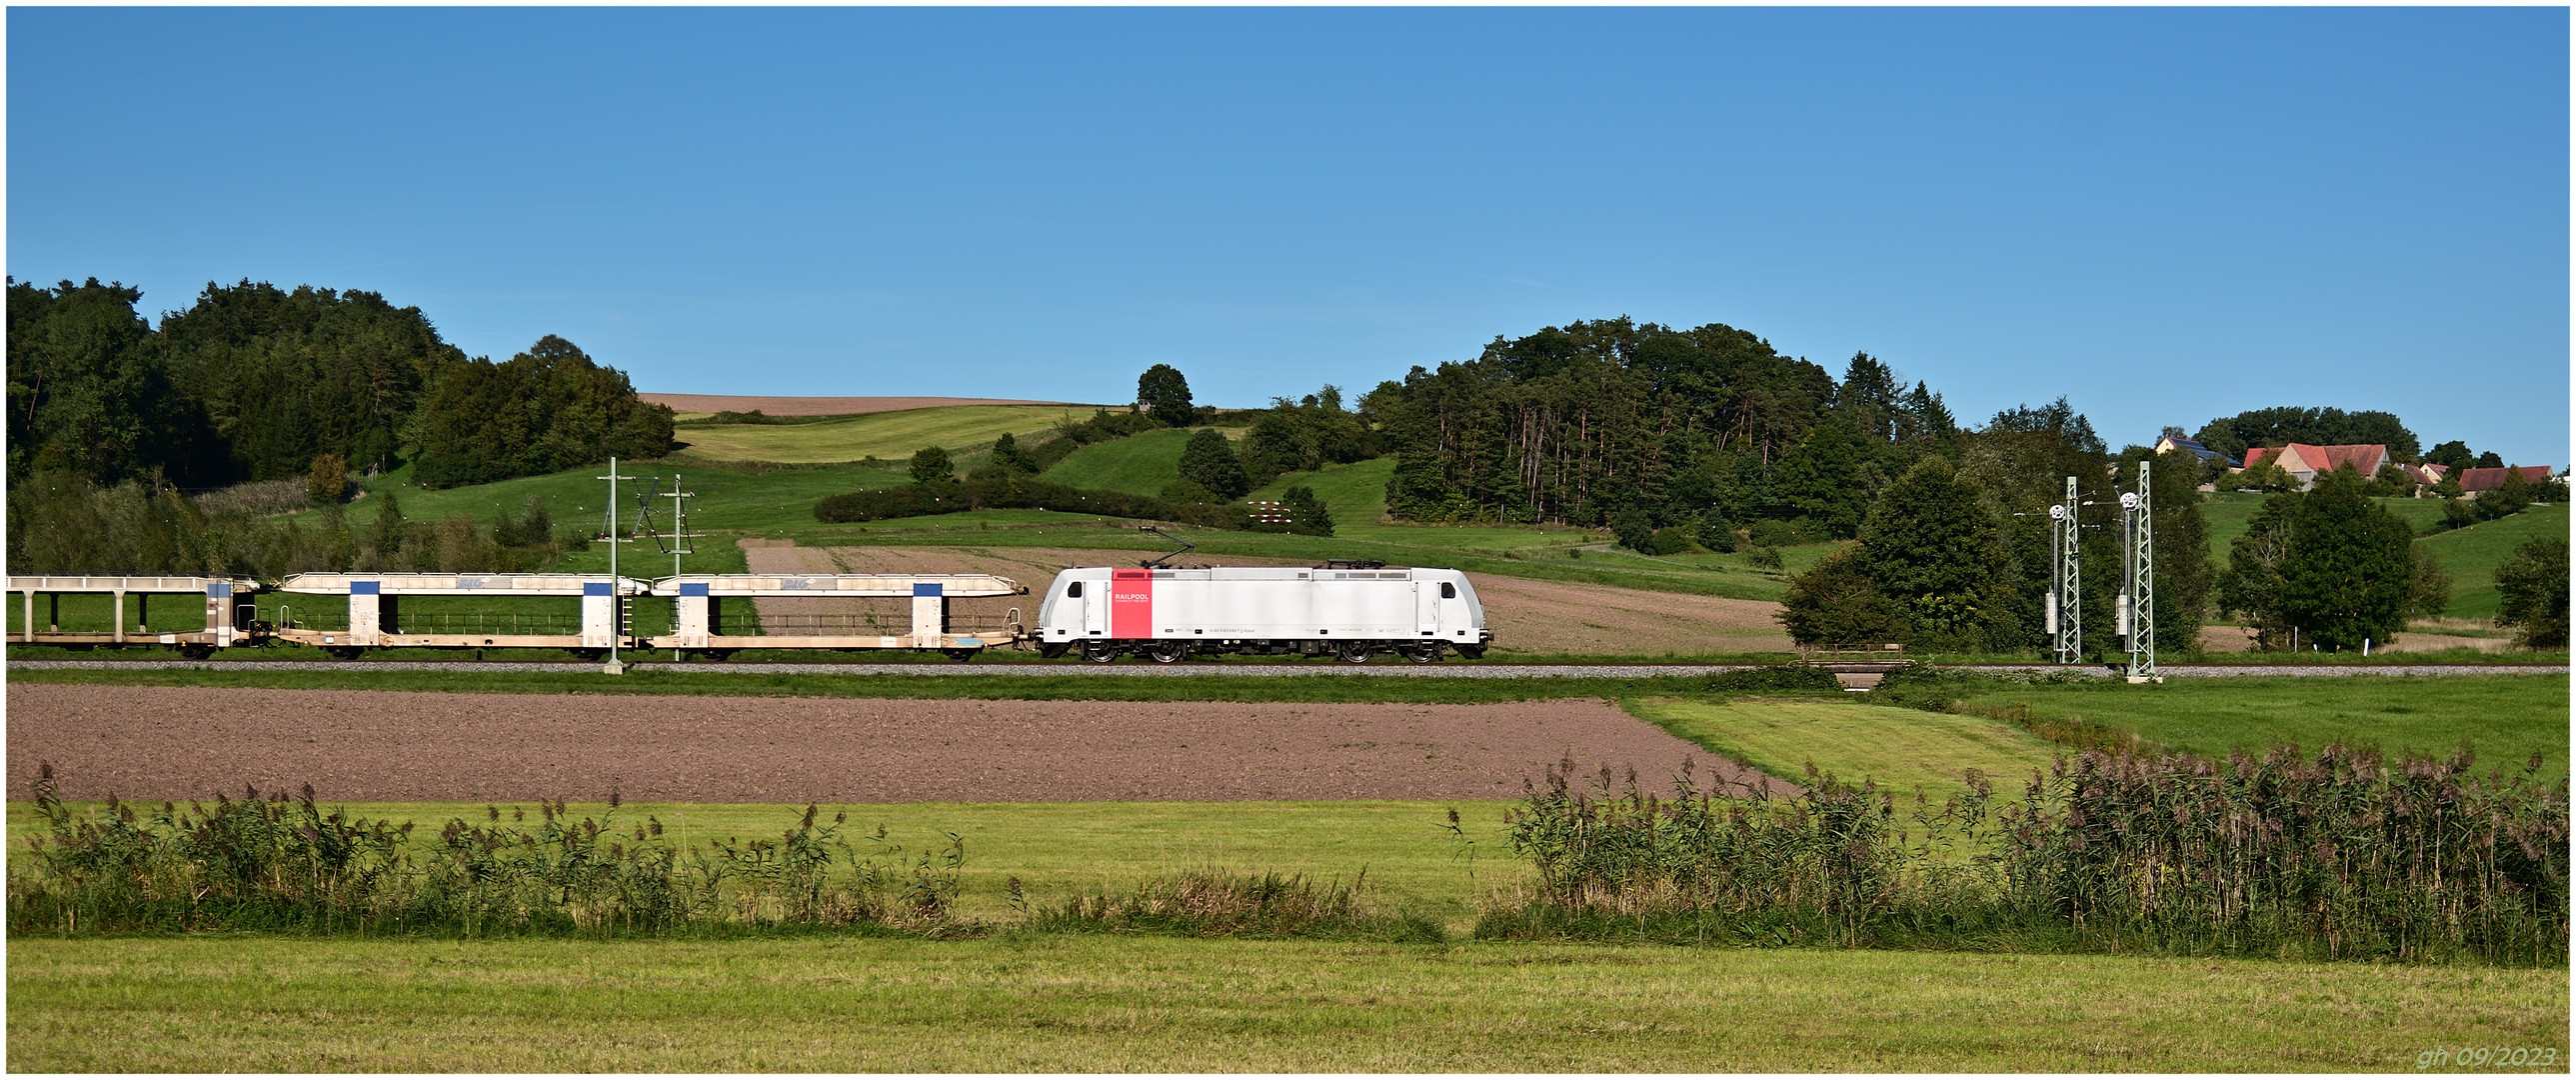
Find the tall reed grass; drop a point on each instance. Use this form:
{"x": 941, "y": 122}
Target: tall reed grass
{"x": 274, "y": 863}
{"x": 2344, "y": 855}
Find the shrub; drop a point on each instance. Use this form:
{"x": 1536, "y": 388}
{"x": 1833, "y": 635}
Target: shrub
{"x": 2533, "y": 584}
{"x": 1776, "y": 677}
{"x": 1666, "y": 542}
{"x": 1715, "y": 532}
{"x": 2343, "y": 856}
{"x": 282, "y": 864}
{"x": 1213, "y": 903}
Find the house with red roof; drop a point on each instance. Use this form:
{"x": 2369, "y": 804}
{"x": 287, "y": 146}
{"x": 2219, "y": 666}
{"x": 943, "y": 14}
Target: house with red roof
{"x": 2473, "y": 481}
{"x": 2305, "y": 462}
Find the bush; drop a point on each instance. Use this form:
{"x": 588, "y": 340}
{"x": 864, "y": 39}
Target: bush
{"x": 2533, "y": 582}
{"x": 1666, "y": 542}
{"x": 1715, "y": 532}
{"x": 279, "y": 864}
{"x": 2344, "y": 856}
{"x": 1212, "y": 903}
{"x": 1775, "y": 678}
{"x": 1772, "y": 532}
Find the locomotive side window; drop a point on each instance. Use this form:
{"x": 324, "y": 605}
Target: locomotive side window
{"x": 1074, "y": 590}
{"x": 1448, "y": 590}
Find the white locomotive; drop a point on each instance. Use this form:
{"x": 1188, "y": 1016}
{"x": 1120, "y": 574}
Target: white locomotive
{"x": 1348, "y": 612}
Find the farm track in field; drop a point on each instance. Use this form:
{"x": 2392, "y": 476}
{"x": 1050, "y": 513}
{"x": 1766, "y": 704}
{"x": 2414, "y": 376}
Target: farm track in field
{"x": 1384, "y": 668}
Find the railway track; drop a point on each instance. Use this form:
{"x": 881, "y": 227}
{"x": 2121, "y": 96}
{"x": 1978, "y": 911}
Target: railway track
{"x": 1453, "y": 670}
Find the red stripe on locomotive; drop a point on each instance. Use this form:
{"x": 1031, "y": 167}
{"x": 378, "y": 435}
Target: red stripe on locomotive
{"x": 1131, "y": 604}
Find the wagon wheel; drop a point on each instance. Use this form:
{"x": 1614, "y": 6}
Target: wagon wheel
{"x": 1098, "y": 652}
{"x": 1426, "y": 653}
{"x": 961, "y": 655}
{"x": 589, "y": 655}
{"x": 718, "y": 655}
{"x": 196, "y": 652}
{"x": 1352, "y": 652}
{"x": 1166, "y": 652}
{"x": 343, "y": 652}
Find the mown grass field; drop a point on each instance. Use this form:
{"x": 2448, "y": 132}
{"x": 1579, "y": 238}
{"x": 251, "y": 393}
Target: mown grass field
{"x": 1903, "y": 750}
{"x": 1065, "y": 1004}
{"x": 2505, "y": 718}
{"x": 889, "y": 436}
{"x": 1139, "y": 464}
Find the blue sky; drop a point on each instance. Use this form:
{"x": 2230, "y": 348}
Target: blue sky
{"x": 2166, "y": 215}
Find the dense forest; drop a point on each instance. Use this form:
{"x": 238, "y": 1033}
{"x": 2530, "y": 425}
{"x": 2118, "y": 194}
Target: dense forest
{"x": 252, "y": 382}
{"x": 1598, "y": 421}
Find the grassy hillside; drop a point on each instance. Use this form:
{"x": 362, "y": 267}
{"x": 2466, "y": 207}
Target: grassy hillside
{"x": 2471, "y": 555}
{"x": 1355, "y": 493}
{"x": 729, "y": 498}
{"x": 889, "y": 436}
{"x": 1138, "y": 464}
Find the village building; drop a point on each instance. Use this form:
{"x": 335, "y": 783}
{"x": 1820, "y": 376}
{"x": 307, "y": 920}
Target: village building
{"x": 2305, "y": 463}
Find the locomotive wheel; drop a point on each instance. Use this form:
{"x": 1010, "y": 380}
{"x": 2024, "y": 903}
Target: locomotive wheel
{"x": 196, "y": 652}
{"x": 1098, "y": 652}
{"x": 961, "y": 655}
{"x": 343, "y": 652}
{"x": 1354, "y": 652}
{"x": 1054, "y": 651}
{"x": 1427, "y": 653}
{"x": 1472, "y": 652}
{"x": 1169, "y": 652}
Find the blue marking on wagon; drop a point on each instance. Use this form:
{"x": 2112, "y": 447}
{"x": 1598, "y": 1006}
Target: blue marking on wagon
{"x": 693, "y": 588}
{"x": 220, "y": 589}
{"x": 365, "y": 588}
{"x": 598, "y": 588}
{"x": 925, "y": 588}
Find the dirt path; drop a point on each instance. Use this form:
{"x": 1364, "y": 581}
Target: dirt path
{"x": 158, "y": 743}
{"x": 1528, "y": 617}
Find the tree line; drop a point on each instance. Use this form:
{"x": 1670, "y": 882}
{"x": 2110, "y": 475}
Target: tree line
{"x": 252, "y": 383}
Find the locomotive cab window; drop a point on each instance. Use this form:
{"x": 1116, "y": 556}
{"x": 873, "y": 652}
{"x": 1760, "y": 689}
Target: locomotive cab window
{"x": 1448, "y": 590}
{"x": 1074, "y": 590}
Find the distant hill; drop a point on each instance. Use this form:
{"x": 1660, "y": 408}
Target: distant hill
{"x": 688, "y": 405}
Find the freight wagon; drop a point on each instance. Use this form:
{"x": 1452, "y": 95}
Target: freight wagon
{"x": 1418, "y": 614}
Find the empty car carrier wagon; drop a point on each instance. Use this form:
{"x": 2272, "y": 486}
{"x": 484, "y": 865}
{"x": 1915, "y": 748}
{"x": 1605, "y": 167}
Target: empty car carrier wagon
{"x": 1168, "y": 614}
{"x": 372, "y": 615}
{"x": 228, "y": 611}
{"x": 927, "y": 624}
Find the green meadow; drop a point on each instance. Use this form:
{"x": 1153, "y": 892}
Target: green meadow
{"x": 1063, "y": 1003}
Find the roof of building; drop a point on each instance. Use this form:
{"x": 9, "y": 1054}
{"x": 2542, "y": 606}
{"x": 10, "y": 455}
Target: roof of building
{"x": 2491, "y": 479}
{"x": 2365, "y": 458}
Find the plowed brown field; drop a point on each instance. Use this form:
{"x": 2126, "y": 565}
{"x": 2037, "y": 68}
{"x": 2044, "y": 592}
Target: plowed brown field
{"x": 140, "y": 742}
{"x": 1528, "y": 617}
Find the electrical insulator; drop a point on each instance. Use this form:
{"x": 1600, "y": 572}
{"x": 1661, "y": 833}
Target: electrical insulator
{"x": 2120, "y": 620}
{"x": 2052, "y": 613}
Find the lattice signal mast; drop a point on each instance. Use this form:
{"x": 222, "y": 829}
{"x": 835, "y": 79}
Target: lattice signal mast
{"x": 2066, "y": 599}
{"x": 2138, "y": 593}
